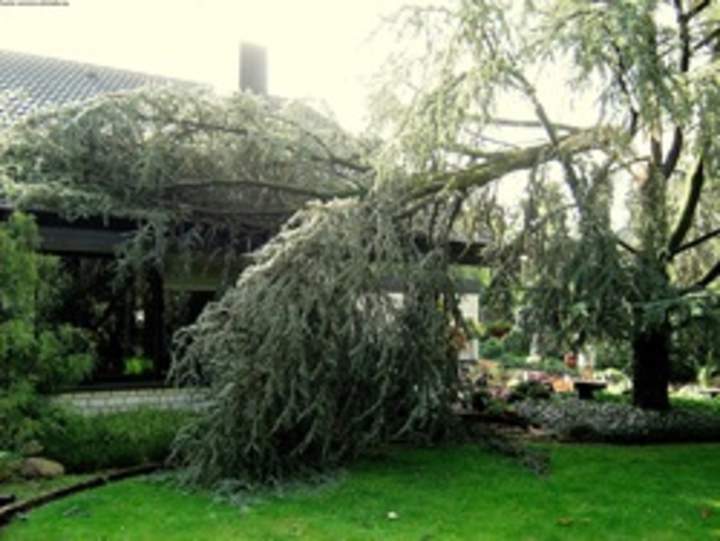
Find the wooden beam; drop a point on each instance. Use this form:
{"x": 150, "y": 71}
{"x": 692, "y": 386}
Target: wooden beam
{"x": 82, "y": 242}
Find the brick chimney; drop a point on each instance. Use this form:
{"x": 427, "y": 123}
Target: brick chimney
{"x": 253, "y": 68}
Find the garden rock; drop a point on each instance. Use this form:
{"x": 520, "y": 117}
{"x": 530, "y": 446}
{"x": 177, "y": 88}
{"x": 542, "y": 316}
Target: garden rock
{"x": 37, "y": 467}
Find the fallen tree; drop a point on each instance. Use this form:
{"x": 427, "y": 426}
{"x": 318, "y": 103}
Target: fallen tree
{"x": 309, "y": 360}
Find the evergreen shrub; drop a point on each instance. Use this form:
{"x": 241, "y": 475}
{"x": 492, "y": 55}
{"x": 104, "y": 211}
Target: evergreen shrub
{"x": 36, "y": 355}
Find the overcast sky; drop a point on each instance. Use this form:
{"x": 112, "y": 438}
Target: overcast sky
{"x": 316, "y": 48}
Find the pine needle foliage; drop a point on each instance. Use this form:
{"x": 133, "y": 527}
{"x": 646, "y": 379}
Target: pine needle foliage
{"x": 194, "y": 170}
{"x": 623, "y": 97}
{"x": 309, "y": 360}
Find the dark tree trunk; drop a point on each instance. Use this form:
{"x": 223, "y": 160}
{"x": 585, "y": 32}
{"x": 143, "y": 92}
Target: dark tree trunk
{"x": 154, "y": 344}
{"x": 651, "y": 368}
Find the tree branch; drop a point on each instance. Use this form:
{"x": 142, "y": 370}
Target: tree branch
{"x": 626, "y": 246}
{"x": 706, "y": 280}
{"x": 673, "y": 155}
{"x": 624, "y": 88}
{"x": 715, "y": 34}
{"x": 687, "y": 216}
{"x": 684, "y": 34}
{"x": 235, "y": 184}
{"x": 671, "y": 159}
{"x": 479, "y": 175}
{"x": 656, "y": 151}
{"x": 571, "y": 177}
{"x": 699, "y": 8}
{"x": 532, "y": 124}
{"x": 330, "y": 158}
{"x": 696, "y": 242}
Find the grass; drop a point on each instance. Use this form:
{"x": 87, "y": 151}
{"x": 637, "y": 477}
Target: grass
{"x": 592, "y": 492}
{"x": 706, "y": 405}
{"x": 27, "y": 489}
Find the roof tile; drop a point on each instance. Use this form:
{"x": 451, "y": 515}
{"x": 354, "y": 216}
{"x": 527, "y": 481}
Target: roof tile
{"x": 30, "y": 83}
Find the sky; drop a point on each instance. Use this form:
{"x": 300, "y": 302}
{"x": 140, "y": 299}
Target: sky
{"x": 316, "y": 48}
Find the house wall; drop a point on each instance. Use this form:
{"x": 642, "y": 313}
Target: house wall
{"x": 109, "y": 401}
{"x": 469, "y": 308}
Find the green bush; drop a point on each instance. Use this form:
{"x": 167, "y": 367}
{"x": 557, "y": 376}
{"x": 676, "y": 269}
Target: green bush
{"x": 499, "y": 328}
{"x": 703, "y": 405}
{"x": 538, "y": 390}
{"x": 116, "y": 440}
{"x": 9, "y": 465}
{"x": 520, "y": 362}
{"x": 555, "y": 366}
{"x": 137, "y": 365}
{"x": 492, "y": 348}
{"x": 36, "y": 356}
{"x": 695, "y": 347}
{"x": 615, "y": 354}
{"x": 23, "y": 415}
{"x": 517, "y": 342}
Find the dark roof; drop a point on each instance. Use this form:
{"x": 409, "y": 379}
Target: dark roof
{"x": 30, "y": 83}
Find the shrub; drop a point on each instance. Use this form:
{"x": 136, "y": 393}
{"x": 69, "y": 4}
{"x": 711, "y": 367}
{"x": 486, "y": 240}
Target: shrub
{"x": 616, "y": 354}
{"x": 499, "y": 328}
{"x": 35, "y": 355}
{"x": 509, "y": 360}
{"x": 137, "y": 365}
{"x": 9, "y": 465}
{"x": 116, "y": 440}
{"x": 517, "y": 342}
{"x": 492, "y": 348}
{"x": 694, "y": 347}
{"x": 555, "y": 366}
{"x": 532, "y": 389}
{"x": 613, "y": 422}
{"x": 701, "y": 405}
{"x": 23, "y": 415}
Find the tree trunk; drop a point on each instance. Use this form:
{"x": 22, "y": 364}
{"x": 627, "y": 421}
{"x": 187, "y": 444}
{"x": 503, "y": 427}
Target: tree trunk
{"x": 651, "y": 368}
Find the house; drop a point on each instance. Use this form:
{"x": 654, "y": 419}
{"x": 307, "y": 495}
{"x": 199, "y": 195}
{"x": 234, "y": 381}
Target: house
{"x": 32, "y": 83}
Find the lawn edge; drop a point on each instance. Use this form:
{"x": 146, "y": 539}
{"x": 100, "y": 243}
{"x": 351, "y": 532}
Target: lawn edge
{"x": 8, "y": 512}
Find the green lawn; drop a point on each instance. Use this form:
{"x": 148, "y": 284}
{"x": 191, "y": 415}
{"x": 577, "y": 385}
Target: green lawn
{"x": 592, "y": 492}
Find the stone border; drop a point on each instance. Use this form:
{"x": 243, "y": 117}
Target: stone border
{"x": 93, "y": 402}
{"x": 8, "y": 512}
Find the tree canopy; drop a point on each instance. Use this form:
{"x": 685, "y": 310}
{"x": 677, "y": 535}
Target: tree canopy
{"x": 482, "y": 79}
{"x": 186, "y": 165}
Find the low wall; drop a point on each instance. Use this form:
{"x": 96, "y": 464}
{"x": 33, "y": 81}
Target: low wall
{"x": 92, "y": 402}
